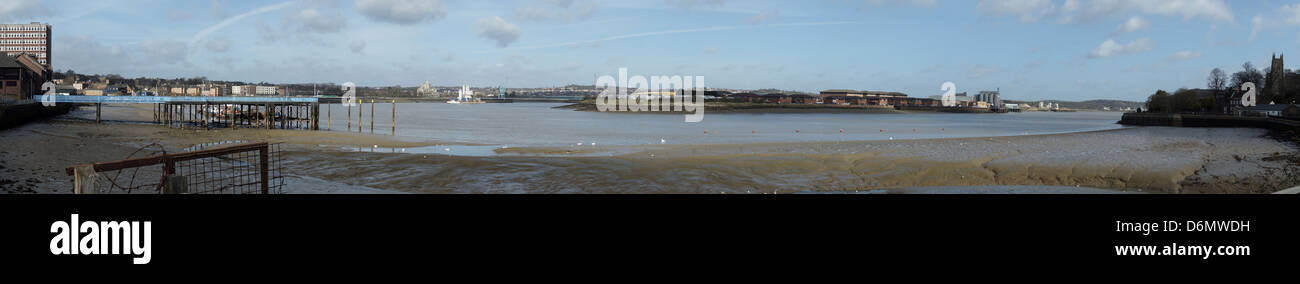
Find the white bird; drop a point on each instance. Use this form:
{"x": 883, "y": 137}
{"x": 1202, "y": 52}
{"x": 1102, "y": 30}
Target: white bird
{"x": 446, "y": 149}
{"x": 662, "y": 141}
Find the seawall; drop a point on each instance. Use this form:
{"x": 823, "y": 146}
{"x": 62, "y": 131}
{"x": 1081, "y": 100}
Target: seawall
{"x": 17, "y": 114}
{"x": 1203, "y": 120}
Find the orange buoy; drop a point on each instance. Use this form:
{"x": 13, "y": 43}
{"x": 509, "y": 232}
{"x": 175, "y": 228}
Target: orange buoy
{"x": 913, "y": 129}
{"x": 841, "y": 130}
{"x": 753, "y": 132}
{"x": 796, "y": 131}
{"x": 706, "y": 132}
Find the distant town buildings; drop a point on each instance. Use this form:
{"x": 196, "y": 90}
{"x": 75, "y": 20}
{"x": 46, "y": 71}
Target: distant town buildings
{"x": 33, "y": 38}
{"x": 426, "y": 89}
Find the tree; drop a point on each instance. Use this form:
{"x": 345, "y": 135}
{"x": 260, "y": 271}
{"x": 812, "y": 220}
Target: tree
{"x": 1159, "y": 102}
{"x": 1250, "y": 74}
{"x": 1185, "y": 100}
{"x": 1218, "y": 79}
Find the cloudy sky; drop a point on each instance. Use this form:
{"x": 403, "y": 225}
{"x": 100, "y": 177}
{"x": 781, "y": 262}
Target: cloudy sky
{"x": 1031, "y": 49}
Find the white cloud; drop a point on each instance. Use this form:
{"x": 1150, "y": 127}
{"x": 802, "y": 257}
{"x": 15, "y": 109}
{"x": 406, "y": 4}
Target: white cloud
{"x": 235, "y": 19}
{"x": 497, "y": 29}
{"x": 556, "y": 10}
{"x": 16, "y": 10}
{"x": 1257, "y": 25}
{"x": 357, "y": 46}
{"x": 164, "y": 51}
{"x": 219, "y": 44}
{"x": 311, "y": 20}
{"x": 1111, "y": 48}
{"x": 688, "y": 4}
{"x": 1291, "y": 13}
{"x": 1132, "y": 25}
{"x": 1027, "y": 10}
{"x": 764, "y": 16}
{"x": 402, "y": 12}
{"x": 1033, "y": 10}
{"x": 873, "y": 3}
{"x": 1185, "y": 55}
{"x": 1188, "y": 9}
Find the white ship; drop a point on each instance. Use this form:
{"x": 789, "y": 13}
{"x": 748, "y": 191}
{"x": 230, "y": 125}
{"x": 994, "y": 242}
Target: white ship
{"x": 466, "y": 96}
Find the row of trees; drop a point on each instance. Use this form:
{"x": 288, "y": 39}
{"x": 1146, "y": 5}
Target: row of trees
{"x": 1222, "y": 84}
{"x": 1183, "y": 100}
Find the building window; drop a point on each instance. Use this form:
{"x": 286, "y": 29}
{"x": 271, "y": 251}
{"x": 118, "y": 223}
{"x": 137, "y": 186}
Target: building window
{"x": 11, "y": 83}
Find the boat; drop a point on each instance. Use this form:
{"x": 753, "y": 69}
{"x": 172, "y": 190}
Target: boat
{"x": 466, "y": 96}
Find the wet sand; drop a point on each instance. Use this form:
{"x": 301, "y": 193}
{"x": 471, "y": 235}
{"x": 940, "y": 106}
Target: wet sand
{"x": 1146, "y": 160}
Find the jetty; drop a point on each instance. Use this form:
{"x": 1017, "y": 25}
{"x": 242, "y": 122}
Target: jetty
{"x": 209, "y": 112}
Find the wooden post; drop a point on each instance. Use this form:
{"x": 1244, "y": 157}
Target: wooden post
{"x": 98, "y": 111}
{"x": 372, "y": 116}
{"x": 85, "y": 178}
{"x": 263, "y": 155}
{"x": 349, "y": 117}
{"x": 205, "y": 116}
{"x": 315, "y": 116}
{"x": 394, "y": 117}
{"x": 329, "y": 117}
{"x": 266, "y": 116}
{"x": 360, "y": 113}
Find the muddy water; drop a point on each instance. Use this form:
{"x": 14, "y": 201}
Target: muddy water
{"x": 533, "y": 125}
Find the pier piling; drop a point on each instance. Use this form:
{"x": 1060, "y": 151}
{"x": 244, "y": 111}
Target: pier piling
{"x": 394, "y": 118}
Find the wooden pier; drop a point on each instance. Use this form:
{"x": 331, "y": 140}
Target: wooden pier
{"x": 218, "y": 112}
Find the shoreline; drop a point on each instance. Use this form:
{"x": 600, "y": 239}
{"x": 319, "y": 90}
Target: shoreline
{"x": 1138, "y": 159}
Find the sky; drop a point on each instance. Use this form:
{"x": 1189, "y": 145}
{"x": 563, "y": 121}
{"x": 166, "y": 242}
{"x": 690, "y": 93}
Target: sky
{"x": 1029, "y": 49}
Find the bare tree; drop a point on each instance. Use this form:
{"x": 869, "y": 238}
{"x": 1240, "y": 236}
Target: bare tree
{"x": 1218, "y": 79}
{"x": 1247, "y": 74}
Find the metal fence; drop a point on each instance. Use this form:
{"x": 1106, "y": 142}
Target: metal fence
{"x": 214, "y": 168}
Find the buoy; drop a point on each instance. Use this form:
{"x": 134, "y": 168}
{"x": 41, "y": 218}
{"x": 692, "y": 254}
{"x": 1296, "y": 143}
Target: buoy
{"x": 942, "y": 129}
{"x": 841, "y": 130}
{"x": 796, "y": 131}
{"x": 706, "y": 132}
{"x": 913, "y": 129}
{"x": 882, "y": 131}
{"x": 753, "y": 132}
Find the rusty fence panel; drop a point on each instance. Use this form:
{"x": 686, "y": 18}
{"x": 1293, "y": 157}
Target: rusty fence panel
{"x": 215, "y": 168}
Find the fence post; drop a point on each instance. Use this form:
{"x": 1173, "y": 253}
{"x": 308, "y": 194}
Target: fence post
{"x": 85, "y": 178}
{"x": 264, "y": 155}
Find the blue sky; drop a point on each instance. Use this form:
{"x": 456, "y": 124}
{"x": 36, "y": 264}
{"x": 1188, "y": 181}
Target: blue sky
{"x": 1031, "y": 49}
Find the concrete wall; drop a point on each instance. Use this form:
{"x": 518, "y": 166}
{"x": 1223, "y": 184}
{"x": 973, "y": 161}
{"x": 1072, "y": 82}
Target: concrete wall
{"x": 13, "y": 115}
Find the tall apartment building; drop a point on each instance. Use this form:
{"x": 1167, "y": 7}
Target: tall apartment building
{"x": 31, "y": 38}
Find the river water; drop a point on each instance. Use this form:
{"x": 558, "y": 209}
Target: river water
{"x": 540, "y": 125}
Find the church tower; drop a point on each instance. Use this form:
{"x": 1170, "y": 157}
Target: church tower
{"x": 1276, "y": 78}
